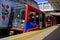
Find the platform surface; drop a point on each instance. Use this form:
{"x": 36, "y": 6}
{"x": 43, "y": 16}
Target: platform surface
{"x": 55, "y": 35}
{"x": 34, "y": 35}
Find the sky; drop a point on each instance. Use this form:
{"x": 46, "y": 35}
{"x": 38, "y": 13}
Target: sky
{"x": 40, "y": 0}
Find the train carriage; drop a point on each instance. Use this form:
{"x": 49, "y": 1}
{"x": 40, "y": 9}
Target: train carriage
{"x": 27, "y": 18}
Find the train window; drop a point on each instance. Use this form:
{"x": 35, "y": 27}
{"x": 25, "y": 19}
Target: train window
{"x": 19, "y": 18}
{"x": 37, "y": 17}
{"x": 32, "y": 17}
{"x": 23, "y": 14}
{"x": 16, "y": 17}
{"x": 48, "y": 19}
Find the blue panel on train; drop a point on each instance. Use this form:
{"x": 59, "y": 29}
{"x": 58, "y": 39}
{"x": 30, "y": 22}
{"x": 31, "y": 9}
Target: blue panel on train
{"x": 13, "y": 4}
{"x": 29, "y": 25}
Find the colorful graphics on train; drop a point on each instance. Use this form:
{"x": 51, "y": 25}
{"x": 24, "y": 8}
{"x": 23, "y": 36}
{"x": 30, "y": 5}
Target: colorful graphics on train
{"x": 5, "y": 12}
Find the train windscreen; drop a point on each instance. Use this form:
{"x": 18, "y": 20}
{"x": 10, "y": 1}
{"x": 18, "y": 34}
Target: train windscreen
{"x": 19, "y": 18}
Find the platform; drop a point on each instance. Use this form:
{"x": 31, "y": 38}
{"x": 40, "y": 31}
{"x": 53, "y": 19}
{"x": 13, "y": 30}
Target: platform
{"x": 34, "y": 35}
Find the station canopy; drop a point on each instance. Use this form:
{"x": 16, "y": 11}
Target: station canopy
{"x": 55, "y": 4}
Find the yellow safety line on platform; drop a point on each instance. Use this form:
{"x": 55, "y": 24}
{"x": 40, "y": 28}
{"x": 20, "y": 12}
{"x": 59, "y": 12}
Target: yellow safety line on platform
{"x": 44, "y": 34}
{"x": 28, "y": 35}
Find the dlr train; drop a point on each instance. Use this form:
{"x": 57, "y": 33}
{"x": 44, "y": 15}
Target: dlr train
{"x": 16, "y": 19}
{"x": 29, "y": 19}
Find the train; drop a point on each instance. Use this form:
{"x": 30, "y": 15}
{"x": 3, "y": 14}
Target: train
{"x": 28, "y": 18}
{"x": 16, "y": 19}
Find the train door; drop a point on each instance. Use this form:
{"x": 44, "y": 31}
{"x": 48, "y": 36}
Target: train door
{"x": 32, "y": 18}
{"x": 33, "y": 21}
{"x": 38, "y": 19}
{"x": 43, "y": 21}
{"x": 31, "y": 24}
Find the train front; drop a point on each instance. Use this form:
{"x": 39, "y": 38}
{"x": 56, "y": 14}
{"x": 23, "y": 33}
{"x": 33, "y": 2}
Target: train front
{"x": 18, "y": 20}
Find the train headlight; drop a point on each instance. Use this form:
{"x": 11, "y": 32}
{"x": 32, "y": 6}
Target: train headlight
{"x": 23, "y": 20}
{"x": 11, "y": 33}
